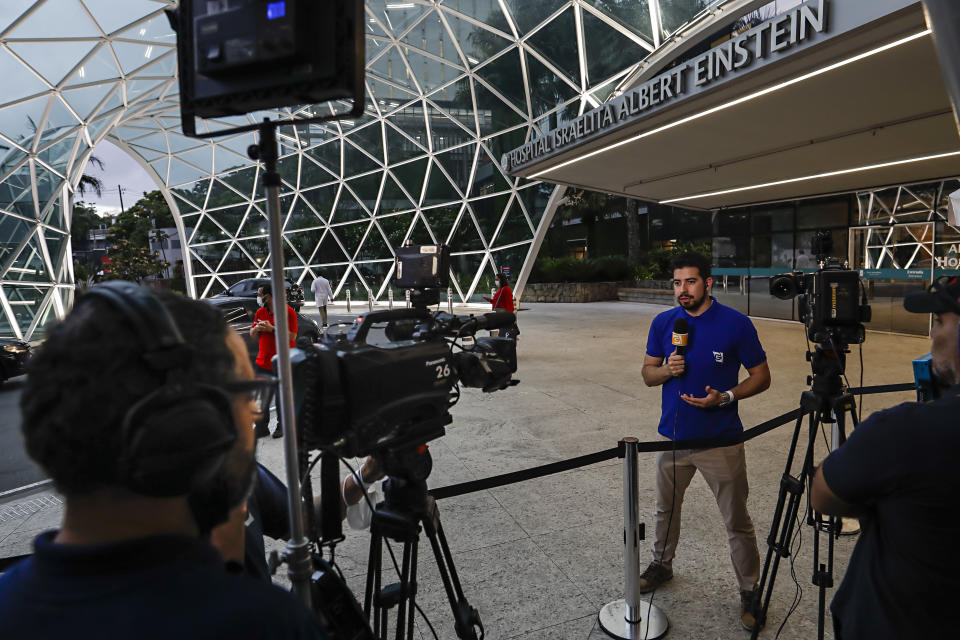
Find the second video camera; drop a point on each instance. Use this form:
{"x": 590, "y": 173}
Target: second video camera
{"x": 830, "y": 301}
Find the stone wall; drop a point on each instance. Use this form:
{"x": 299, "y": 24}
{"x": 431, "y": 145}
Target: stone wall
{"x": 571, "y": 291}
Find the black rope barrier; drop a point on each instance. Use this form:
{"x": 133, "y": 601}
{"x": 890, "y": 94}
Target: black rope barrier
{"x": 493, "y": 482}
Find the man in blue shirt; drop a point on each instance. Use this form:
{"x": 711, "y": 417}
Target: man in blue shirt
{"x": 140, "y": 408}
{"x": 700, "y": 391}
{"x": 897, "y": 472}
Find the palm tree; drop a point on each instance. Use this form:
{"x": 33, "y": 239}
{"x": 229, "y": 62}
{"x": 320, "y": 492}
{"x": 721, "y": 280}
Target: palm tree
{"x": 88, "y": 181}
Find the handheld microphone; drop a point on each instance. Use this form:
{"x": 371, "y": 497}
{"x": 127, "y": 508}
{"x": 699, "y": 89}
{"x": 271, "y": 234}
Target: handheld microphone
{"x": 681, "y": 338}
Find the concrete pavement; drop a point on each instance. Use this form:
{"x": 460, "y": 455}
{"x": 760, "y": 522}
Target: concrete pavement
{"x": 539, "y": 558}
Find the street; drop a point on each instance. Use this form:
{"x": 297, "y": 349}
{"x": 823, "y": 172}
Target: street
{"x": 16, "y": 468}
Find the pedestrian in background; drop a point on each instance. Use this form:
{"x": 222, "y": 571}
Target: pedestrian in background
{"x": 264, "y": 329}
{"x": 503, "y": 301}
{"x": 322, "y": 293}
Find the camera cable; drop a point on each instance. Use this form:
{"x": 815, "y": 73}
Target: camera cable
{"x": 798, "y": 594}
{"x": 393, "y": 557}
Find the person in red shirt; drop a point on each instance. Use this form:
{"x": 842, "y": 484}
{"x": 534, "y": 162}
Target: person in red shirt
{"x": 263, "y": 328}
{"x": 503, "y": 301}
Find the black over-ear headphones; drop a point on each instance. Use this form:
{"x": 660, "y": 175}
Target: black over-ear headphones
{"x": 176, "y": 438}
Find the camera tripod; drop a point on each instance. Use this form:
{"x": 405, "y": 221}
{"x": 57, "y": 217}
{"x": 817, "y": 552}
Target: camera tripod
{"x": 406, "y": 507}
{"x": 826, "y": 402}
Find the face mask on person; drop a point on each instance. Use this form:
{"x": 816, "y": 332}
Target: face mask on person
{"x": 259, "y": 301}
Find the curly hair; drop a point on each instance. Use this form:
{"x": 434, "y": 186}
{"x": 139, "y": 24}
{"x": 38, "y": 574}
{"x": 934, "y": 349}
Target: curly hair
{"x": 692, "y": 259}
{"x": 90, "y": 371}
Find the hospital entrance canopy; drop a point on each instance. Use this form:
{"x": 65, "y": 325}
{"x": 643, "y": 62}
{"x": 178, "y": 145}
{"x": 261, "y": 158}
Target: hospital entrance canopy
{"x": 822, "y": 96}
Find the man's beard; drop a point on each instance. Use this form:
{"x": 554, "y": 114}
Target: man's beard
{"x": 693, "y": 304}
{"x": 943, "y": 378}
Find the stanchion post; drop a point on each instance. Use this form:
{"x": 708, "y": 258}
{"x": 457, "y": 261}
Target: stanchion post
{"x": 449, "y": 299}
{"x": 631, "y": 618}
{"x": 390, "y": 297}
{"x": 348, "y": 301}
{"x": 369, "y": 300}
{"x": 407, "y": 295}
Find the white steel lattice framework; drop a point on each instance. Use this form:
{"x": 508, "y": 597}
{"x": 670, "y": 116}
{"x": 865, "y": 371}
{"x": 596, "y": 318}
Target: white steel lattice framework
{"x": 451, "y": 85}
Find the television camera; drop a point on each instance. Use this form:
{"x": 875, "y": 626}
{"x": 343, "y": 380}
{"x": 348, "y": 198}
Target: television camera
{"x": 828, "y": 300}
{"x": 385, "y": 387}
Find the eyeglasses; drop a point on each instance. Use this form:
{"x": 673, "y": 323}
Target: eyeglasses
{"x": 258, "y": 392}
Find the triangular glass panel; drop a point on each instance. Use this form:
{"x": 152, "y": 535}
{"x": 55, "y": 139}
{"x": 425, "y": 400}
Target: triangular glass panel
{"x": 305, "y": 242}
{"x": 457, "y": 163}
{"x": 411, "y": 175}
{"x": 554, "y": 42}
{"x": 195, "y": 193}
{"x": 16, "y": 75}
{"x": 488, "y": 212}
{"x": 312, "y": 174}
{"x": 374, "y": 246}
{"x": 19, "y": 122}
{"x": 608, "y": 50}
{"x": 419, "y": 234}
{"x": 112, "y": 16}
{"x": 86, "y": 99}
{"x": 478, "y": 44}
{"x": 114, "y": 102}
{"x": 155, "y": 141}
{"x": 493, "y": 114}
{"x": 225, "y": 160}
{"x": 24, "y": 204}
{"x": 12, "y": 232}
{"x": 53, "y": 216}
{"x": 347, "y": 209}
{"x": 321, "y": 199}
{"x": 395, "y": 228}
{"x": 58, "y": 155}
{"x": 431, "y": 73}
{"x": 534, "y": 199}
{"x": 242, "y": 180}
{"x": 221, "y": 196}
{"x": 179, "y": 143}
{"x": 356, "y": 161}
{"x": 464, "y": 269}
{"x": 56, "y": 242}
{"x": 181, "y": 172}
{"x": 439, "y": 190}
{"x": 401, "y": 147}
{"x": 488, "y": 177}
{"x": 410, "y": 121}
{"x": 289, "y": 170}
{"x": 254, "y": 225}
{"x": 156, "y": 30}
{"x": 486, "y": 12}
{"x": 208, "y": 231}
{"x": 397, "y": 17}
{"x": 506, "y": 142}
{"x": 190, "y": 220}
{"x": 229, "y": 218}
{"x": 388, "y": 94}
{"x": 98, "y": 128}
{"x": 455, "y": 124}
{"x": 527, "y": 15}
{"x": 28, "y": 266}
{"x": 258, "y": 249}
{"x": 393, "y": 198}
{"x": 513, "y": 258}
{"x": 515, "y": 227}
{"x": 329, "y": 250}
{"x": 48, "y": 184}
{"x": 141, "y": 89}
{"x": 201, "y": 158}
{"x": 547, "y": 90}
{"x": 370, "y": 139}
{"x": 506, "y": 75}
{"x": 466, "y": 237}
{"x": 292, "y": 258}
{"x": 57, "y": 19}
{"x": 430, "y": 35}
{"x": 352, "y": 283}
{"x": 235, "y": 260}
{"x": 301, "y": 217}
{"x": 351, "y": 235}
{"x": 327, "y": 155}
{"x": 10, "y": 10}
{"x": 132, "y": 55}
{"x": 366, "y": 189}
{"x": 441, "y": 220}
{"x": 100, "y": 66}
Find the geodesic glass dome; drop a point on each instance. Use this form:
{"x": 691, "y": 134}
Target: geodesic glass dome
{"x": 451, "y": 85}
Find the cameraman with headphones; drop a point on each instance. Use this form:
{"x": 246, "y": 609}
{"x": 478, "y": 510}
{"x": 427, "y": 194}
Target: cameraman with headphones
{"x": 897, "y": 472}
{"x": 140, "y": 408}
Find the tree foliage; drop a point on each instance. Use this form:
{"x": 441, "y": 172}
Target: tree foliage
{"x": 129, "y": 239}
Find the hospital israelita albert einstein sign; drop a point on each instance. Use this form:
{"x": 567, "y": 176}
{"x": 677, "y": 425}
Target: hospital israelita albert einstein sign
{"x": 769, "y": 39}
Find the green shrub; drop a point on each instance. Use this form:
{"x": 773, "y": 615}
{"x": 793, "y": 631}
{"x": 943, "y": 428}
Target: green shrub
{"x": 569, "y": 269}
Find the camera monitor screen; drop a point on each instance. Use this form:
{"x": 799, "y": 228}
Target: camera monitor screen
{"x": 423, "y": 267}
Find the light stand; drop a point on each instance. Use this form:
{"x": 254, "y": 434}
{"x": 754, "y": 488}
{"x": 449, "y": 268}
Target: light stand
{"x": 297, "y": 555}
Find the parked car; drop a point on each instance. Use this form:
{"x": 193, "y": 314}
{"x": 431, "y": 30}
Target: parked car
{"x": 13, "y": 358}
{"x": 239, "y": 313}
{"x": 248, "y": 289}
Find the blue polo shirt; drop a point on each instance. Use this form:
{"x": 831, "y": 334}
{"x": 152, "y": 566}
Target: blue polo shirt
{"x": 721, "y": 340}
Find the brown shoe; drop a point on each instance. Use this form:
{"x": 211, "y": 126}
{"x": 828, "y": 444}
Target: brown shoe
{"x": 747, "y": 617}
{"x": 654, "y": 576}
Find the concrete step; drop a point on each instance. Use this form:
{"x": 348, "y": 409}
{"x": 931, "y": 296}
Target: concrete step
{"x": 653, "y": 296}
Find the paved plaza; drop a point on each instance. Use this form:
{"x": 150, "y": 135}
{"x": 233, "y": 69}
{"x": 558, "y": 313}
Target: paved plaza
{"x": 539, "y": 558}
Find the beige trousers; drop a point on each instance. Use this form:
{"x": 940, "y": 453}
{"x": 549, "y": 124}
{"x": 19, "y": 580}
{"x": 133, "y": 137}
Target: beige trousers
{"x": 725, "y": 470}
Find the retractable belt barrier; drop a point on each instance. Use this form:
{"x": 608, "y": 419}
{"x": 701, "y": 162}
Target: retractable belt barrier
{"x": 644, "y": 447}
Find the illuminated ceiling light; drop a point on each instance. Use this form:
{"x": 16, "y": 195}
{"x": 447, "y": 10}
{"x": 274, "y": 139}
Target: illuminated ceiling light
{"x": 149, "y": 52}
{"x": 401, "y": 5}
{"x": 817, "y": 176}
{"x": 741, "y": 100}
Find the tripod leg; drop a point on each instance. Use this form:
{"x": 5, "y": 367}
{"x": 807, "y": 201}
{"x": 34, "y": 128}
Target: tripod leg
{"x": 467, "y": 619}
{"x": 785, "y": 514}
{"x": 408, "y": 591}
{"x": 372, "y": 590}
